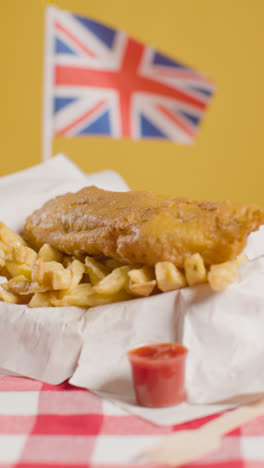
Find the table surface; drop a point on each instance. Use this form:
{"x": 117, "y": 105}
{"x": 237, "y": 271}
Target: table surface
{"x": 45, "y": 426}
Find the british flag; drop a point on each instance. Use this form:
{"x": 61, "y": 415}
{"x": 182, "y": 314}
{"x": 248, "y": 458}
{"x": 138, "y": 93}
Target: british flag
{"x": 108, "y": 84}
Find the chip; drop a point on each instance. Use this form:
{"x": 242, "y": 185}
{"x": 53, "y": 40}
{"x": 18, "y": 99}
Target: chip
{"x": 2, "y": 260}
{"x": 95, "y": 270}
{"x": 7, "y": 296}
{"x": 24, "y": 255}
{"x": 222, "y": 275}
{"x": 141, "y": 275}
{"x": 142, "y": 281}
{"x": 142, "y": 289}
{"x": 77, "y": 270}
{"x": 49, "y": 254}
{"x": 41, "y": 300}
{"x": 6, "y": 250}
{"x": 195, "y": 270}
{"x": 114, "y": 282}
{"x": 79, "y": 297}
{"x": 169, "y": 277}
{"x": 10, "y": 237}
{"x": 19, "y": 285}
{"x": 51, "y": 275}
{"x": 16, "y": 269}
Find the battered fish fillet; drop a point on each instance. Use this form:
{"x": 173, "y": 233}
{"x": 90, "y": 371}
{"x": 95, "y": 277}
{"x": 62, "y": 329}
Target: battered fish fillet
{"x": 141, "y": 227}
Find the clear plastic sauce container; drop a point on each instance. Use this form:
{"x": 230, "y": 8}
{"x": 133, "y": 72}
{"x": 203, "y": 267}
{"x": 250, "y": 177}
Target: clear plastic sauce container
{"x": 158, "y": 372}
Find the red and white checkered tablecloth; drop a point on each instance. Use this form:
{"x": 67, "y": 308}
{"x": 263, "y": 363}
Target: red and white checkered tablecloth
{"x": 46, "y": 426}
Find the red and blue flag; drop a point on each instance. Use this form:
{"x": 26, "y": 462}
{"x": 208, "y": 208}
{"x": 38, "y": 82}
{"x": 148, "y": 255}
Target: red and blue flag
{"x": 104, "y": 83}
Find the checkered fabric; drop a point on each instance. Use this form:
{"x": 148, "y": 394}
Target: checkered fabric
{"x": 46, "y": 426}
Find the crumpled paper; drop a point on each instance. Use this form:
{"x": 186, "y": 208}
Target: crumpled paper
{"x": 25, "y": 191}
{"x": 110, "y": 332}
{"x": 223, "y": 331}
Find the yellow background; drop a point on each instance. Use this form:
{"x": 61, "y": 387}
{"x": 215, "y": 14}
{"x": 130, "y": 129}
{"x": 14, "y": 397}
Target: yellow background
{"x": 222, "y": 38}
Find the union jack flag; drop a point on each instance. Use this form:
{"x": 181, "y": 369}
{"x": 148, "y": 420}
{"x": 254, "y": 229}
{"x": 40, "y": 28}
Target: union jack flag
{"x": 101, "y": 82}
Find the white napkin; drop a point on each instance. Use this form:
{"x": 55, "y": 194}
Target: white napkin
{"x": 42, "y": 343}
{"x": 110, "y": 332}
{"x": 25, "y": 191}
{"x": 222, "y": 331}
{"x": 255, "y": 244}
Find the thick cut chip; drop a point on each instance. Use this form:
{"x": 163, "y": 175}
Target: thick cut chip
{"x": 49, "y": 254}
{"x": 22, "y": 286}
{"x": 15, "y": 269}
{"x": 95, "y": 270}
{"x": 77, "y": 270}
{"x": 78, "y": 297}
{"x": 114, "y": 282}
{"x": 10, "y": 237}
{"x": 56, "y": 275}
{"x": 169, "y": 277}
{"x": 84, "y": 296}
{"x": 51, "y": 275}
{"x": 142, "y": 281}
{"x": 98, "y": 299}
{"x": 19, "y": 285}
{"x": 141, "y": 275}
{"x": 222, "y": 275}
{"x": 37, "y": 271}
{"x": 2, "y": 254}
{"x": 37, "y": 288}
{"x": 26, "y": 255}
{"x": 7, "y": 296}
{"x": 2, "y": 260}
{"x": 41, "y": 300}
{"x": 195, "y": 270}
{"x": 6, "y": 250}
{"x": 142, "y": 289}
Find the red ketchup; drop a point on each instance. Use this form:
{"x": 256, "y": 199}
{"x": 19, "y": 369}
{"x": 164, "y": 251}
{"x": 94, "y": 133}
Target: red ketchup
{"x": 158, "y": 372}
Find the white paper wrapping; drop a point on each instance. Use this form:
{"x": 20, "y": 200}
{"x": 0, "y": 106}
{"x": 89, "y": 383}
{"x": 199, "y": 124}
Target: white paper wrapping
{"x": 43, "y": 343}
{"x": 223, "y": 331}
{"x": 25, "y": 191}
{"x": 255, "y": 244}
{"x": 225, "y": 334}
{"x": 110, "y": 332}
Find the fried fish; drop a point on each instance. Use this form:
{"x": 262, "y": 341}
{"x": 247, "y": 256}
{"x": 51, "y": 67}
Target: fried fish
{"x": 138, "y": 227}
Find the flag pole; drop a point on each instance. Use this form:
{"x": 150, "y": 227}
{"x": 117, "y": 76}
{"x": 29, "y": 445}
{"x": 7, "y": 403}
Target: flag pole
{"x": 48, "y": 83}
